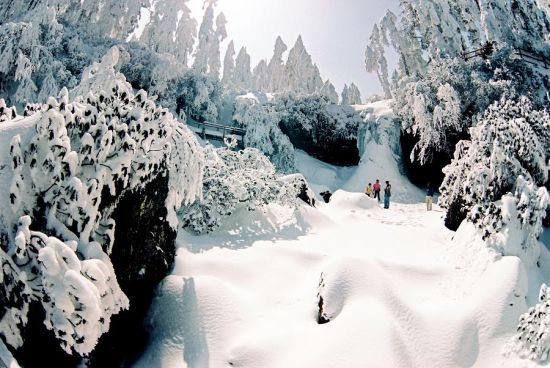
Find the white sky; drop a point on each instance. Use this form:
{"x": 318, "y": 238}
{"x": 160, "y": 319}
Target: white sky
{"x": 335, "y": 32}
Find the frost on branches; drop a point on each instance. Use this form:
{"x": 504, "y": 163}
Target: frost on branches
{"x": 232, "y": 180}
{"x": 106, "y": 140}
{"x": 497, "y": 179}
{"x": 532, "y": 339}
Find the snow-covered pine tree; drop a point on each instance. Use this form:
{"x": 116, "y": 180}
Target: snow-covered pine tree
{"x": 276, "y": 68}
{"x": 329, "y": 92}
{"x": 302, "y": 75}
{"x": 171, "y": 30}
{"x": 243, "y": 74}
{"x": 351, "y": 95}
{"x": 207, "y": 54}
{"x": 260, "y": 76}
{"x": 228, "y": 78}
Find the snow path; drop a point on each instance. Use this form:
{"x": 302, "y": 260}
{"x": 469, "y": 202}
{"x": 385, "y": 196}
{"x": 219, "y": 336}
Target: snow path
{"x": 397, "y": 293}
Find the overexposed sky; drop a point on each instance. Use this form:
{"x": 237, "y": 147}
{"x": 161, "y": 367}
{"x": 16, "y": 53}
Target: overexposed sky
{"x": 335, "y": 32}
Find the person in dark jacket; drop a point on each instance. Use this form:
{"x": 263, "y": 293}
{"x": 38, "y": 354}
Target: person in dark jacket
{"x": 387, "y": 194}
{"x": 429, "y": 197}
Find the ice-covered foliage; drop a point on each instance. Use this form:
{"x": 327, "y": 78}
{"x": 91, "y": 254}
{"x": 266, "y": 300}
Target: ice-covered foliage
{"x": 532, "y": 340}
{"x": 508, "y": 153}
{"x": 261, "y": 122}
{"x": 79, "y": 296}
{"x": 232, "y": 180}
{"x": 105, "y": 140}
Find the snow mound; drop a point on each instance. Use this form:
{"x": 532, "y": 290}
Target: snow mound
{"x": 353, "y": 200}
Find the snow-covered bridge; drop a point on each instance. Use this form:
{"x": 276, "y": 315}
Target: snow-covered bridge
{"x": 217, "y": 132}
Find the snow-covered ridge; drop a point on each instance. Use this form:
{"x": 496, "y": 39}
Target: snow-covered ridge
{"x": 56, "y": 162}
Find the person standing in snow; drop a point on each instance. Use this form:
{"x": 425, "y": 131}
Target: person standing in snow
{"x": 387, "y": 194}
{"x": 429, "y": 197}
{"x": 376, "y": 187}
{"x": 368, "y": 190}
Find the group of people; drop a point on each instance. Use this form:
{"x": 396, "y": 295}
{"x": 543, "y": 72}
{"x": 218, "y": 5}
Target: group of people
{"x": 373, "y": 190}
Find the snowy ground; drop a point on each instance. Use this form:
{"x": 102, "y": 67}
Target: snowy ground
{"x": 401, "y": 289}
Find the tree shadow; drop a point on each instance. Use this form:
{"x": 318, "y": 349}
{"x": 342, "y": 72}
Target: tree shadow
{"x": 195, "y": 345}
{"x": 244, "y": 228}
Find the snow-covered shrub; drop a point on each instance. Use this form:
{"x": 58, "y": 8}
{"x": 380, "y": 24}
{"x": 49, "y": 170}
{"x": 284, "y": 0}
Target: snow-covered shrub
{"x": 105, "y": 141}
{"x": 509, "y": 153}
{"x": 236, "y": 180}
{"x": 532, "y": 340}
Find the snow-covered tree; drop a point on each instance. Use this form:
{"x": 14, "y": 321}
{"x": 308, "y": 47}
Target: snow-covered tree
{"x": 275, "y": 68}
{"x": 351, "y": 95}
{"x": 508, "y": 153}
{"x": 193, "y": 95}
{"x": 260, "y": 76}
{"x": 302, "y": 75}
{"x": 233, "y": 180}
{"x": 243, "y": 74}
{"x": 207, "y": 55}
{"x": 261, "y": 122}
{"x": 171, "y": 30}
{"x": 329, "y": 92}
{"x": 105, "y": 140}
{"x": 229, "y": 67}
{"x": 532, "y": 339}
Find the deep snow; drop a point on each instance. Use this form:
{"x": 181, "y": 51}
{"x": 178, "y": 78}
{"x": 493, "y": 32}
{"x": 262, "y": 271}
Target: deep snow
{"x": 401, "y": 289}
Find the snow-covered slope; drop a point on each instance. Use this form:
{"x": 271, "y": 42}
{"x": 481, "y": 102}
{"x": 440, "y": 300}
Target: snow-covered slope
{"x": 398, "y": 289}
{"x": 380, "y": 152}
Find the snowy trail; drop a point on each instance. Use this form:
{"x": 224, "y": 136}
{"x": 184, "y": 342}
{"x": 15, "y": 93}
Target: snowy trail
{"x": 396, "y": 292}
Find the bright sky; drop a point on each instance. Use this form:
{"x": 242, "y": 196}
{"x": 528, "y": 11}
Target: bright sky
{"x": 335, "y": 32}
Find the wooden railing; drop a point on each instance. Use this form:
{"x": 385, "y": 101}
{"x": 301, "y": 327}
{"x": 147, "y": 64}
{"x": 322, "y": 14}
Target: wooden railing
{"x": 533, "y": 57}
{"x": 529, "y": 56}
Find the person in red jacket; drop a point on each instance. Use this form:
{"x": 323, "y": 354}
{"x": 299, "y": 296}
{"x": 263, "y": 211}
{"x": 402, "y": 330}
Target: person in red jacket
{"x": 376, "y": 187}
